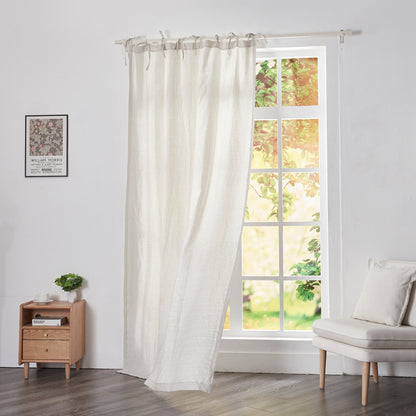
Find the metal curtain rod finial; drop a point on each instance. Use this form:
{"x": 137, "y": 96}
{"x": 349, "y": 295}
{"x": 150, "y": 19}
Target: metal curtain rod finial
{"x": 344, "y": 33}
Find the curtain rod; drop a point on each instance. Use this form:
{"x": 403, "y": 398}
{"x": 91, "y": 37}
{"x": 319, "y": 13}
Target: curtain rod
{"x": 341, "y": 33}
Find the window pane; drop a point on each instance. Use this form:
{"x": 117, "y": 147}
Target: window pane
{"x": 262, "y": 198}
{"x": 266, "y": 83}
{"x": 265, "y": 144}
{"x": 299, "y": 81}
{"x": 300, "y": 141}
{"x": 260, "y": 251}
{"x": 300, "y": 196}
{"x": 227, "y": 319}
{"x": 261, "y": 304}
{"x": 302, "y": 304}
{"x": 301, "y": 251}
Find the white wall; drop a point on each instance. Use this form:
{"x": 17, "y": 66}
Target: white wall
{"x": 59, "y": 57}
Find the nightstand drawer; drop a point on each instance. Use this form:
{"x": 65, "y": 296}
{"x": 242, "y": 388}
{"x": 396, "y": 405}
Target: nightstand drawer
{"x": 45, "y": 350}
{"x": 48, "y": 333}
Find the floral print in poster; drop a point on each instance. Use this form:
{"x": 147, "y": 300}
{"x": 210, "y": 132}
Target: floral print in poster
{"x": 46, "y": 137}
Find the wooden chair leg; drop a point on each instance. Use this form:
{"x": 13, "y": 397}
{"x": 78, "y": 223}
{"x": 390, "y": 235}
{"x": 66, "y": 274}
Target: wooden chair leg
{"x": 374, "y": 367}
{"x": 322, "y": 365}
{"x": 364, "y": 387}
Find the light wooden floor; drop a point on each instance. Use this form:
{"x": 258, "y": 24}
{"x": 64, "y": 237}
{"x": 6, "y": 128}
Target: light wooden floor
{"x": 105, "y": 392}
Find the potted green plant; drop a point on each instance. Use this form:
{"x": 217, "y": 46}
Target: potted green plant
{"x": 69, "y": 283}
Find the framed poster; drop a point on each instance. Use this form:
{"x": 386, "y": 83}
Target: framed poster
{"x": 46, "y": 145}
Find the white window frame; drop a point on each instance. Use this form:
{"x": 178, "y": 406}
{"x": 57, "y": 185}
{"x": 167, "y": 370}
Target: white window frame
{"x": 280, "y": 113}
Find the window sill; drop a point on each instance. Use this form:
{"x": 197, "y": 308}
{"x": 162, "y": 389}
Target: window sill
{"x": 267, "y": 344}
{"x": 304, "y": 337}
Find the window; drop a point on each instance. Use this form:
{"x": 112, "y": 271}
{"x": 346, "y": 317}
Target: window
{"x": 276, "y": 288}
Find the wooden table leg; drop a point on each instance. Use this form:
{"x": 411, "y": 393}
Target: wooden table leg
{"x": 78, "y": 365}
{"x": 364, "y": 387}
{"x": 67, "y": 371}
{"x": 322, "y": 365}
{"x": 26, "y": 370}
{"x": 38, "y": 366}
{"x": 374, "y": 367}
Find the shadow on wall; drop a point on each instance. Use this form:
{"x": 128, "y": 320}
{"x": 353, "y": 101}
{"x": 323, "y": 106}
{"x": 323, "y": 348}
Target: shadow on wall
{"x": 6, "y": 235}
{"x": 90, "y": 337}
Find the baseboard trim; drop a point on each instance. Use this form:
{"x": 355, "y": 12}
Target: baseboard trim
{"x": 398, "y": 369}
{"x": 274, "y": 362}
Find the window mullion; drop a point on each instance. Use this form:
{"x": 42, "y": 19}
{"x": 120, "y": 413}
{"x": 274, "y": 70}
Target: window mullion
{"x": 236, "y": 297}
{"x": 280, "y": 224}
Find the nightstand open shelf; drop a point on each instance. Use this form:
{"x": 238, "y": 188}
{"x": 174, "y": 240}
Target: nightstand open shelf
{"x": 52, "y": 344}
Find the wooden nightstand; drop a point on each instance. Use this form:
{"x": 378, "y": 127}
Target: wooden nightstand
{"x": 52, "y": 344}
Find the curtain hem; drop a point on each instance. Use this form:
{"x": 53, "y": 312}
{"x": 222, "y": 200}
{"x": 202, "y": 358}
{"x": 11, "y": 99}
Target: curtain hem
{"x": 185, "y": 385}
{"x": 130, "y": 373}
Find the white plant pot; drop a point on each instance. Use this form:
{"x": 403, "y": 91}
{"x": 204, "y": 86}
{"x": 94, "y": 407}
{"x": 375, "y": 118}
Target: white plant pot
{"x": 71, "y": 296}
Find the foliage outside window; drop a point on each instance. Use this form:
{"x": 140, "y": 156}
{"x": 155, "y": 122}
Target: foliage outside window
{"x": 281, "y": 245}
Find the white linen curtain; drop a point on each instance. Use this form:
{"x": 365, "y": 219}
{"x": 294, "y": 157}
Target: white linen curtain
{"x": 190, "y": 134}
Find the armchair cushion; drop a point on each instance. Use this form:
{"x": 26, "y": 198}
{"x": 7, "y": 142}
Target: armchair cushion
{"x": 410, "y": 316}
{"x": 386, "y": 293}
{"x": 365, "y": 334}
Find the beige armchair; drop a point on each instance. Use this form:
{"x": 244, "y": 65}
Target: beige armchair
{"x": 386, "y": 328}
{"x": 364, "y": 341}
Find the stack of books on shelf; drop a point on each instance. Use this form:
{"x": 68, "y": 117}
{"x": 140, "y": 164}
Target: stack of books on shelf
{"x": 40, "y": 320}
